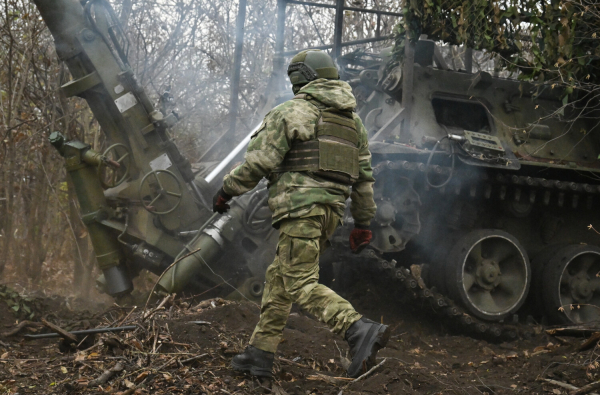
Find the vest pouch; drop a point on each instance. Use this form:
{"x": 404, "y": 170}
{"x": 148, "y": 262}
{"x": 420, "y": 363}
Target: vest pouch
{"x": 338, "y": 157}
{"x": 333, "y": 151}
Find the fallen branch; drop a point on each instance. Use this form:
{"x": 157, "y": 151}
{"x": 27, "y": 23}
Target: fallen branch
{"x": 370, "y": 371}
{"x": 193, "y": 358}
{"x": 589, "y": 343}
{"x": 293, "y": 363}
{"x": 574, "y": 390}
{"x": 561, "y": 384}
{"x": 329, "y": 379}
{"x": 22, "y": 325}
{"x": 161, "y": 367}
{"x": 69, "y": 337}
{"x": 586, "y": 389}
{"x": 574, "y": 330}
{"x": 104, "y": 377}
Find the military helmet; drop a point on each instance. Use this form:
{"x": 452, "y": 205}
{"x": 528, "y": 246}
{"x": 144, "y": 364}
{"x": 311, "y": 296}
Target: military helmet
{"x": 309, "y": 65}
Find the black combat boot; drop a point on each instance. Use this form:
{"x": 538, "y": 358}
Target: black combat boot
{"x": 365, "y": 338}
{"x": 254, "y": 361}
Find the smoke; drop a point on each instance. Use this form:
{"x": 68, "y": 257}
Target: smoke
{"x": 188, "y": 47}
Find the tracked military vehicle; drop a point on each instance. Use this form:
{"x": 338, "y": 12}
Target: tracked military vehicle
{"x": 481, "y": 187}
{"x": 487, "y": 182}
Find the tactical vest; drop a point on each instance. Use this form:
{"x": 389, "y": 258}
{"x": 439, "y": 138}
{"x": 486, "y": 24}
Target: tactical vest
{"x": 333, "y": 153}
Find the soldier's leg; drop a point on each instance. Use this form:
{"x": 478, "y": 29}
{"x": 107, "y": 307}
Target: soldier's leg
{"x": 300, "y": 272}
{"x": 275, "y": 306}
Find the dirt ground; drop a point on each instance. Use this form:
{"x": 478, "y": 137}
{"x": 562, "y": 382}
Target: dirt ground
{"x": 185, "y": 347}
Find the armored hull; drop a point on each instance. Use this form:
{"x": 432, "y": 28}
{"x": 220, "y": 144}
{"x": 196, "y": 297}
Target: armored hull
{"x": 489, "y": 186}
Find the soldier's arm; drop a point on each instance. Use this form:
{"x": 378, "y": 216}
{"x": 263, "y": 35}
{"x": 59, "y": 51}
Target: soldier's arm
{"x": 265, "y": 152}
{"x": 363, "y": 206}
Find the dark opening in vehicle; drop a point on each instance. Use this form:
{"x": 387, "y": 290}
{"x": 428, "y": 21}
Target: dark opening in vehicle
{"x": 461, "y": 115}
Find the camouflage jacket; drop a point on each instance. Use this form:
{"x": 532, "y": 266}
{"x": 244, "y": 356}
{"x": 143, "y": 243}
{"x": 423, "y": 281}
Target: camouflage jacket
{"x": 299, "y": 194}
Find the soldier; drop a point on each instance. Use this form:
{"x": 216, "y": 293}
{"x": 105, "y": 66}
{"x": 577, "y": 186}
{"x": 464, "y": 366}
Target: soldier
{"x": 314, "y": 151}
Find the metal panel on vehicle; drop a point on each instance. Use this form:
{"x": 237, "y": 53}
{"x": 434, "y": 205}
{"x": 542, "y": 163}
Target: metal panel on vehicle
{"x": 161, "y": 163}
{"x": 125, "y": 102}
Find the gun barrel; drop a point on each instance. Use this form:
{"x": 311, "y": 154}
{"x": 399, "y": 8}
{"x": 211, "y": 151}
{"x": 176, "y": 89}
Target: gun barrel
{"x": 64, "y": 18}
{"x": 236, "y": 151}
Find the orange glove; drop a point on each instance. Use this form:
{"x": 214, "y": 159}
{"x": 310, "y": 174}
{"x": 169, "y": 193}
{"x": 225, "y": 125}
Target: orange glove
{"x": 360, "y": 237}
{"x": 220, "y": 202}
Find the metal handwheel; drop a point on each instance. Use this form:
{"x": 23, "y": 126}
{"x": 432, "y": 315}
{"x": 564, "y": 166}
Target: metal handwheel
{"x": 115, "y": 169}
{"x": 167, "y": 199}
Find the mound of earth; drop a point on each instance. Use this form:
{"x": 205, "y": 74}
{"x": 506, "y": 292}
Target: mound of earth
{"x": 186, "y": 348}
{"x": 309, "y": 357}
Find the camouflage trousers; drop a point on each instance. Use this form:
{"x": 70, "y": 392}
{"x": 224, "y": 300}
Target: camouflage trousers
{"x": 293, "y": 278}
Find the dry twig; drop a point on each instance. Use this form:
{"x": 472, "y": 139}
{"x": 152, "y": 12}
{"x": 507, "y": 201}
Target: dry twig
{"x": 591, "y": 342}
{"x": 104, "y": 377}
{"x": 69, "y": 337}
{"x": 164, "y": 272}
{"x": 571, "y": 387}
{"x": 22, "y": 325}
{"x": 370, "y": 371}
{"x": 170, "y": 361}
{"x": 159, "y": 307}
{"x": 293, "y": 363}
{"x": 586, "y": 389}
{"x": 329, "y": 379}
{"x": 193, "y": 358}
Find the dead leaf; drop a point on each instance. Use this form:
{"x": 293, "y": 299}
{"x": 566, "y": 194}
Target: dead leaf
{"x": 64, "y": 370}
{"x": 137, "y": 345}
{"x": 141, "y": 377}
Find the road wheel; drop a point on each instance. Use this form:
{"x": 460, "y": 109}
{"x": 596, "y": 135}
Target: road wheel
{"x": 488, "y": 272}
{"x": 571, "y": 286}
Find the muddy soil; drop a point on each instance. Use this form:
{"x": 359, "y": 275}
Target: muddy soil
{"x": 186, "y": 348}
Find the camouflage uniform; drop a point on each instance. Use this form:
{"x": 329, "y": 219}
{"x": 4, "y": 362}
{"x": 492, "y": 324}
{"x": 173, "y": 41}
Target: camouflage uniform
{"x": 306, "y": 208}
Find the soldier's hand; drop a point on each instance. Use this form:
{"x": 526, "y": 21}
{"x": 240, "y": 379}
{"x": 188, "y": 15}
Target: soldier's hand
{"x": 220, "y": 202}
{"x": 360, "y": 237}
